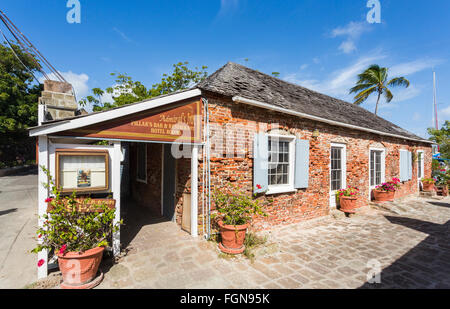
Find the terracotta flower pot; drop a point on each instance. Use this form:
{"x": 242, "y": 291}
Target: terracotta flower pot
{"x": 427, "y": 186}
{"x": 79, "y": 269}
{"x": 442, "y": 190}
{"x": 348, "y": 204}
{"x": 383, "y": 196}
{"x": 232, "y": 238}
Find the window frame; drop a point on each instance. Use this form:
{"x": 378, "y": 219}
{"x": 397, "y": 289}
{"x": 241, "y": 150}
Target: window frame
{"x": 137, "y": 163}
{"x": 81, "y": 152}
{"x": 422, "y": 164}
{"x": 383, "y": 167}
{"x": 289, "y": 187}
{"x": 343, "y": 148}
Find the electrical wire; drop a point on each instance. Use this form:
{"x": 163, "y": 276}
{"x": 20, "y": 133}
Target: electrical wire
{"x": 30, "y": 49}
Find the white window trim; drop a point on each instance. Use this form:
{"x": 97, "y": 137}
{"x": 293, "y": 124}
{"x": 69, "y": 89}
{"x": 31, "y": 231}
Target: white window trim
{"x": 422, "y": 165}
{"x": 383, "y": 168}
{"x": 344, "y": 172}
{"x": 137, "y": 164}
{"x": 289, "y": 188}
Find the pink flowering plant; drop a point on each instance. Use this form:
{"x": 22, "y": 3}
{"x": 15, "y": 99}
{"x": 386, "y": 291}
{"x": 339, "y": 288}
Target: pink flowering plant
{"x": 236, "y": 207}
{"x": 66, "y": 229}
{"x": 390, "y": 186}
{"x": 349, "y": 191}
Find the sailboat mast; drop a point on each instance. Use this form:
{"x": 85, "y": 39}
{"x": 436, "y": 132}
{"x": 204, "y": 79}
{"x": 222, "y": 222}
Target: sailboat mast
{"x": 434, "y": 101}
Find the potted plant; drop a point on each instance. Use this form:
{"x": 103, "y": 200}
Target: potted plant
{"x": 347, "y": 199}
{"x": 78, "y": 238}
{"x": 428, "y": 184}
{"x": 386, "y": 191}
{"x": 442, "y": 182}
{"x": 235, "y": 211}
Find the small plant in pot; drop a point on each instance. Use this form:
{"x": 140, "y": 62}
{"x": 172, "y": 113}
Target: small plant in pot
{"x": 386, "y": 191}
{"x": 348, "y": 199}
{"x": 442, "y": 182}
{"x": 78, "y": 238}
{"x": 235, "y": 211}
{"x": 428, "y": 184}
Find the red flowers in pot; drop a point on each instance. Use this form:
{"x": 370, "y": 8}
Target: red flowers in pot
{"x": 78, "y": 238}
{"x": 386, "y": 191}
{"x": 235, "y": 211}
{"x": 348, "y": 199}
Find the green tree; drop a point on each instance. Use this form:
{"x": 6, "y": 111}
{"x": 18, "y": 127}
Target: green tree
{"x": 126, "y": 90}
{"x": 18, "y": 93}
{"x": 375, "y": 80}
{"x": 442, "y": 138}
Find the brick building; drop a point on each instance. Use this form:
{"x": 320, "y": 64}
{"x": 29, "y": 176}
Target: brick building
{"x": 278, "y": 140}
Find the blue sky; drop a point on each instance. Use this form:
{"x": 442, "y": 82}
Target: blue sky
{"x": 321, "y": 45}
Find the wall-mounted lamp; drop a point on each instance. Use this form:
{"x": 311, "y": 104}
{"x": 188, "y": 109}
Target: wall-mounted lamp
{"x": 316, "y": 133}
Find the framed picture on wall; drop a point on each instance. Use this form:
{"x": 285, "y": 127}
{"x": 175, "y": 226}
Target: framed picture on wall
{"x": 83, "y": 171}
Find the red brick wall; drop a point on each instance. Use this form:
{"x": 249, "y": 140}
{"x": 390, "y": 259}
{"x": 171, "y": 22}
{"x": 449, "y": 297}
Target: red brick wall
{"x": 313, "y": 201}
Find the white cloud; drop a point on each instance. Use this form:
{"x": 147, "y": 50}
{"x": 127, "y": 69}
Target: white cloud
{"x": 347, "y": 47}
{"x": 445, "y": 111}
{"x": 409, "y": 68}
{"x": 352, "y": 32}
{"x": 303, "y": 66}
{"x": 78, "y": 81}
{"x": 339, "y": 82}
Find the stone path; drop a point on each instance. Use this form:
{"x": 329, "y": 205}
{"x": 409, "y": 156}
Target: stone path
{"x": 406, "y": 243}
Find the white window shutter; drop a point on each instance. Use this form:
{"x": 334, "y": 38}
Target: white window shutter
{"x": 260, "y": 163}
{"x": 301, "y": 164}
{"x": 409, "y": 165}
{"x": 403, "y": 165}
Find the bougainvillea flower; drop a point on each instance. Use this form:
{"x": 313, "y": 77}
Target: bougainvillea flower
{"x": 63, "y": 249}
{"x": 40, "y": 262}
{"x": 40, "y": 235}
{"x": 48, "y": 200}
{"x": 258, "y": 187}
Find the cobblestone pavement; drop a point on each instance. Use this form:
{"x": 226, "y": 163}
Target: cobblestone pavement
{"x": 408, "y": 240}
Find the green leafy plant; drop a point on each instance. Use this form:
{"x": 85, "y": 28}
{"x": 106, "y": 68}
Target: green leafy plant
{"x": 66, "y": 228}
{"x": 441, "y": 177}
{"x": 235, "y": 207}
{"x": 251, "y": 242}
{"x": 428, "y": 180}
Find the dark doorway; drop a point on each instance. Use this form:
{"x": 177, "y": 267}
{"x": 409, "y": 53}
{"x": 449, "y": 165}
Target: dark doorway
{"x": 169, "y": 183}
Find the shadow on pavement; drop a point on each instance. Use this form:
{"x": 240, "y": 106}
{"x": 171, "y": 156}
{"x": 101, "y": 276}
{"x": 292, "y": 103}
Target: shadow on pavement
{"x": 8, "y": 211}
{"x": 427, "y": 265}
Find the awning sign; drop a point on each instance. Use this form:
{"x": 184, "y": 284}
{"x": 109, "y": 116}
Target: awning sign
{"x": 179, "y": 122}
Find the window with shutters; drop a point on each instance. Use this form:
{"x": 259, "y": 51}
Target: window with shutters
{"x": 281, "y": 163}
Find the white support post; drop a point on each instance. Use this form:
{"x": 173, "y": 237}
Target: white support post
{"x": 42, "y": 205}
{"x": 115, "y": 180}
{"x": 194, "y": 191}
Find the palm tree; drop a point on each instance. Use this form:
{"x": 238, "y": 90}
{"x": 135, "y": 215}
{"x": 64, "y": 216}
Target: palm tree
{"x": 374, "y": 80}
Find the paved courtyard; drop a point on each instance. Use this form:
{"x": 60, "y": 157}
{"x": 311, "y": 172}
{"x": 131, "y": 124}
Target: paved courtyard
{"x": 409, "y": 241}
{"x": 406, "y": 243}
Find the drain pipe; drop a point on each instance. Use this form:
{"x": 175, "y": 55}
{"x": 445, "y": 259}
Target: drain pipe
{"x": 207, "y": 170}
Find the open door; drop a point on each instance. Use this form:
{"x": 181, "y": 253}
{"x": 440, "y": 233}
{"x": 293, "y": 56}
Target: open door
{"x": 169, "y": 183}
